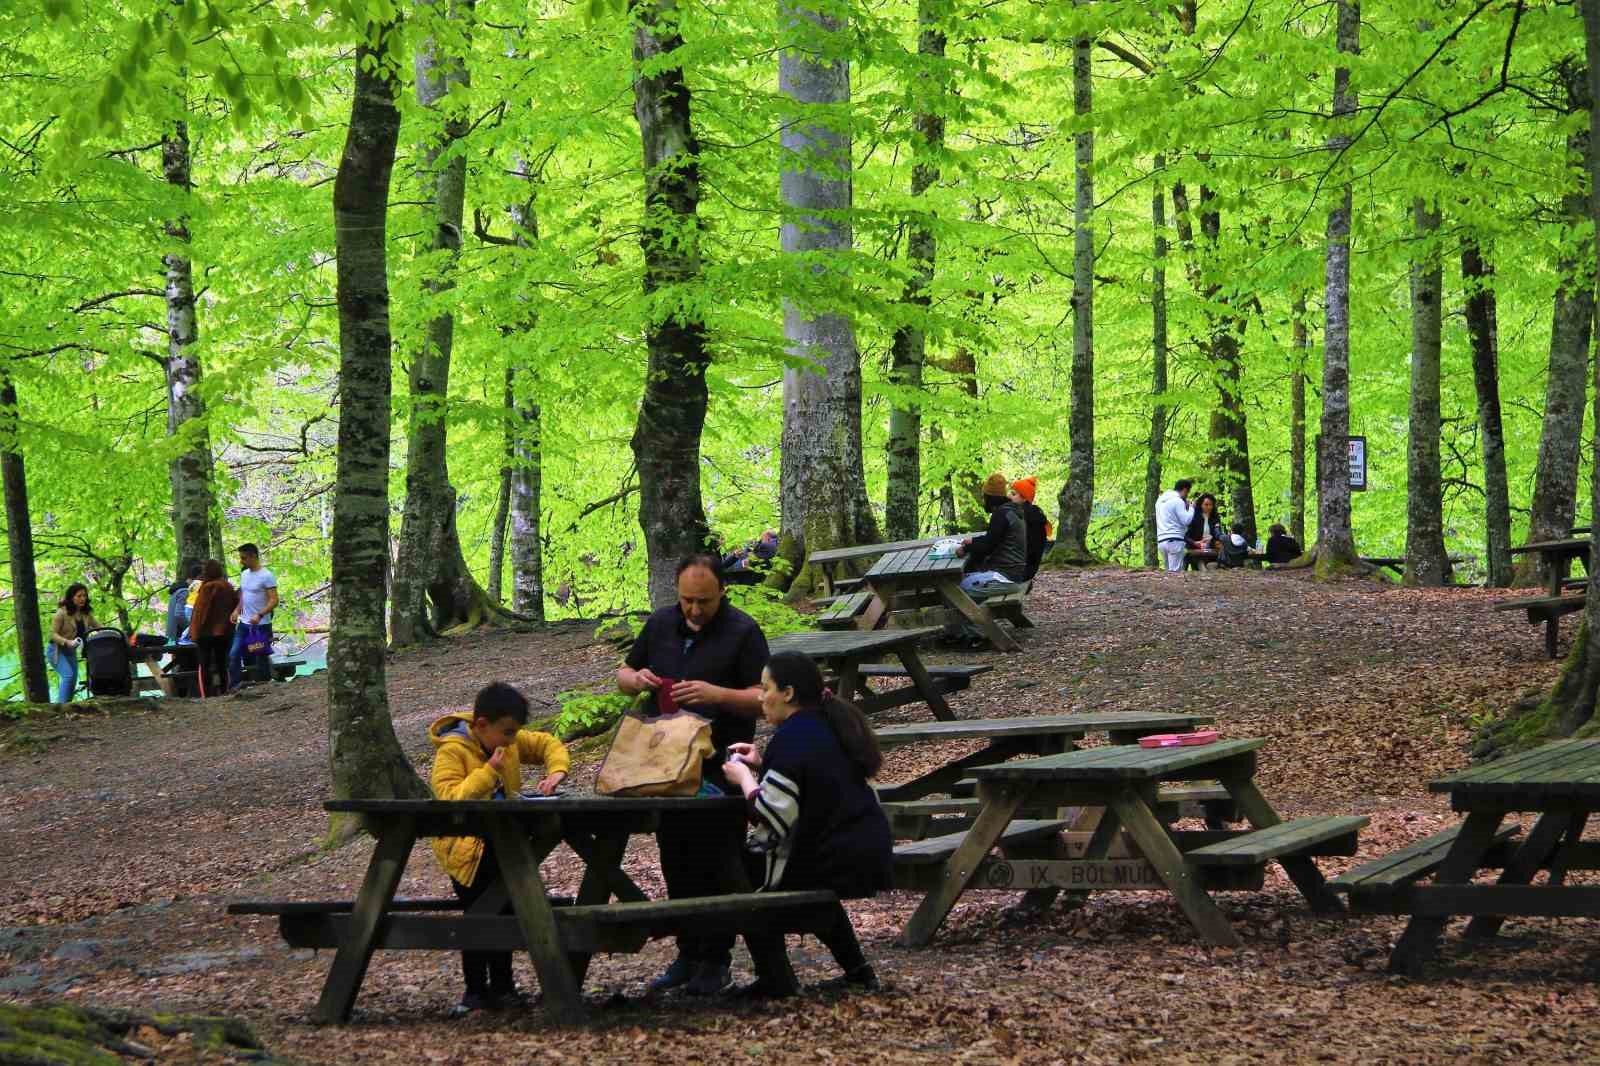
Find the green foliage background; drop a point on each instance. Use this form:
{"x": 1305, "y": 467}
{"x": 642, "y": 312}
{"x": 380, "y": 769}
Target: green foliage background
{"x": 1240, "y": 105}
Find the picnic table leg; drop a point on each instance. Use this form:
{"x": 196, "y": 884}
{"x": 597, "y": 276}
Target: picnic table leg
{"x": 520, "y": 868}
{"x": 849, "y": 679}
{"x": 999, "y": 807}
{"x": 919, "y": 677}
{"x": 1421, "y": 937}
{"x": 877, "y": 611}
{"x": 1106, "y": 826}
{"x": 1560, "y": 863}
{"x": 957, "y": 597}
{"x": 770, "y": 954}
{"x": 945, "y": 777}
{"x": 1160, "y": 852}
{"x": 1526, "y": 861}
{"x": 384, "y": 871}
{"x": 1301, "y": 870}
{"x": 602, "y": 875}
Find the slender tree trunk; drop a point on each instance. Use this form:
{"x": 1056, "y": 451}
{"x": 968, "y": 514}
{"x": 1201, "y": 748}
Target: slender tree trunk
{"x": 502, "y": 504}
{"x": 1426, "y": 561}
{"x": 1336, "y": 547}
{"x": 190, "y": 470}
{"x": 430, "y": 566}
{"x": 1229, "y": 431}
{"x": 1483, "y": 331}
{"x": 1297, "y": 421}
{"x": 1158, "y": 384}
{"x": 822, "y": 478}
{"x": 948, "y": 520}
{"x": 19, "y": 538}
{"x": 666, "y": 441}
{"x": 365, "y": 757}
{"x": 527, "y": 466}
{"x": 1555, "y": 482}
{"x": 1077, "y": 494}
{"x": 909, "y": 348}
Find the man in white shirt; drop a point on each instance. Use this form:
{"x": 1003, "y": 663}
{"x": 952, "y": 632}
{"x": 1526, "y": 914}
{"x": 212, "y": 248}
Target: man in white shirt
{"x": 1173, "y": 515}
{"x": 258, "y": 598}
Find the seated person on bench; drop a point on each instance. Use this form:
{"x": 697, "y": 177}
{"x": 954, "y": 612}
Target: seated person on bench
{"x": 817, "y": 823}
{"x": 999, "y": 555}
{"x": 1282, "y": 548}
{"x": 480, "y": 756}
{"x": 1022, "y": 494}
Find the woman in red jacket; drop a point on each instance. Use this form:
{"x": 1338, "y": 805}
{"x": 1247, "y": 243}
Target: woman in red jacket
{"x": 211, "y": 627}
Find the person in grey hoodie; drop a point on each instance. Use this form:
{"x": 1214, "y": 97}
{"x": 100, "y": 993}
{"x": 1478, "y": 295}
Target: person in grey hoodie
{"x": 1173, "y": 515}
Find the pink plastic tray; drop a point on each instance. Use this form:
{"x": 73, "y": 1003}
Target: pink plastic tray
{"x": 1178, "y": 740}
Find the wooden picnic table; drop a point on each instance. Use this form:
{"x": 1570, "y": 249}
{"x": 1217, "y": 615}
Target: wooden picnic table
{"x": 914, "y": 570}
{"x": 844, "y": 652}
{"x": 151, "y": 655}
{"x": 1124, "y": 779}
{"x": 1556, "y": 557}
{"x": 827, "y": 560}
{"x": 561, "y": 936}
{"x": 1560, "y": 782}
{"x": 1397, "y": 563}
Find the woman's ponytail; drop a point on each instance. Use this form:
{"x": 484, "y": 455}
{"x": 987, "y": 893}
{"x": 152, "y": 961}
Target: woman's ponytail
{"x": 794, "y": 670}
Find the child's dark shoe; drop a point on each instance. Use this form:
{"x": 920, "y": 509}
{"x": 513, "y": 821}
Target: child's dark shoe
{"x": 470, "y": 1003}
{"x": 864, "y": 979}
{"x": 512, "y": 998}
{"x": 709, "y": 979}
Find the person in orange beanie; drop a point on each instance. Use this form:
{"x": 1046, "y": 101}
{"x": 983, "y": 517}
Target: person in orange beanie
{"x": 999, "y": 555}
{"x": 1022, "y": 493}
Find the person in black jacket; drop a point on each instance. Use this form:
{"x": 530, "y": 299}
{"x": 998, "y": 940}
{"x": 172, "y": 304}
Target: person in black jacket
{"x": 818, "y": 824}
{"x": 1205, "y": 529}
{"x": 1282, "y": 548}
{"x": 1038, "y": 526}
{"x": 999, "y": 554}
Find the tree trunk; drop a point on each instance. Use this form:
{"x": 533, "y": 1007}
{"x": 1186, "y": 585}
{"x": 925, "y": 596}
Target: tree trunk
{"x": 527, "y": 466}
{"x": 429, "y": 565}
{"x": 666, "y": 441}
{"x": 1555, "y": 481}
{"x": 1297, "y": 421}
{"x": 823, "y": 494}
{"x": 1426, "y": 561}
{"x": 1158, "y": 383}
{"x": 1077, "y": 494}
{"x": 1477, "y": 275}
{"x": 19, "y": 538}
{"x": 365, "y": 757}
{"x": 1336, "y": 548}
{"x": 1572, "y": 702}
{"x": 909, "y": 348}
{"x": 190, "y": 470}
{"x": 502, "y": 504}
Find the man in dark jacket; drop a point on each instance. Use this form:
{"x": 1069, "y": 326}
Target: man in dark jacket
{"x": 1000, "y": 554}
{"x": 1022, "y": 494}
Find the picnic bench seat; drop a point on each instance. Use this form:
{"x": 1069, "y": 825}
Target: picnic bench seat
{"x": 951, "y": 678}
{"x": 612, "y": 927}
{"x": 847, "y": 584}
{"x": 936, "y": 850}
{"x": 1006, "y": 601}
{"x": 1543, "y": 608}
{"x": 1373, "y": 887}
{"x": 1327, "y": 835}
{"x": 843, "y": 611}
{"x": 284, "y": 669}
{"x": 913, "y": 819}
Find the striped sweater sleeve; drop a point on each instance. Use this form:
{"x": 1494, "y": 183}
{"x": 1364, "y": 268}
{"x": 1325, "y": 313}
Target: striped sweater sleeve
{"x": 775, "y": 810}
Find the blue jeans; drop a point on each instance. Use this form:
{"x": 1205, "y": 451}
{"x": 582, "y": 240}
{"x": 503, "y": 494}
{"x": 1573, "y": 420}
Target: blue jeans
{"x": 982, "y": 579}
{"x": 237, "y": 656}
{"x": 65, "y": 660}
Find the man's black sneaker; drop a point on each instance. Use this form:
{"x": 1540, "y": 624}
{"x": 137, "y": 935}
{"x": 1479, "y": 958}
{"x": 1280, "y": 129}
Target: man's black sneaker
{"x": 864, "y": 979}
{"x": 710, "y": 978}
{"x": 680, "y": 973}
{"x": 470, "y": 1002}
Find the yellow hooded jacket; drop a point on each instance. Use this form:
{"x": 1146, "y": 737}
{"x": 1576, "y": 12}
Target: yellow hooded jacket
{"x": 461, "y": 771}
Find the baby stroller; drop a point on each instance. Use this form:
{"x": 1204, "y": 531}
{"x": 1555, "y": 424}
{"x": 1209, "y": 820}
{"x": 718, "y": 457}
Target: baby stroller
{"x": 107, "y": 671}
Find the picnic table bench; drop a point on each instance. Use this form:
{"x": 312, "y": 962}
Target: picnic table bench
{"x": 1124, "y": 780}
{"x": 1560, "y": 782}
{"x": 845, "y": 654}
{"x": 915, "y": 572}
{"x": 560, "y": 935}
{"x": 1397, "y": 563}
{"x": 1557, "y": 557}
{"x": 828, "y": 560}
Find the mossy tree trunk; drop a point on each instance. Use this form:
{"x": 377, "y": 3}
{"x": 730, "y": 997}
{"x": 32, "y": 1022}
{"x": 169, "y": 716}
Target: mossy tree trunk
{"x": 1077, "y": 493}
{"x": 1158, "y": 375}
{"x": 365, "y": 756}
{"x": 1483, "y": 331}
{"x": 1427, "y": 564}
{"x": 822, "y": 480}
{"x": 1297, "y": 420}
{"x": 666, "y": 440}
{"x": 19, "y": 539}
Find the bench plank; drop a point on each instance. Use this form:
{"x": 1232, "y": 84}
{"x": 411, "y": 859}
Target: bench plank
{"x": 1407, "y": 864}
{"x": 886, "y": 670}
{"x": 1293, "y": 837}
{"x": 938, "y": 849}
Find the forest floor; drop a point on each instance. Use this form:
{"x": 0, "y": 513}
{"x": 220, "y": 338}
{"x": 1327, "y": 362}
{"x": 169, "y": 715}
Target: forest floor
{"x": 124, "y": 836}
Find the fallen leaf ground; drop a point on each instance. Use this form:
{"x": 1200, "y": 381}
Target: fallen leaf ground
{"x": 123, "y": 837}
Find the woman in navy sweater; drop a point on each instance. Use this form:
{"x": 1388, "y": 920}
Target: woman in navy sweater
{"x": 817, "y": 822}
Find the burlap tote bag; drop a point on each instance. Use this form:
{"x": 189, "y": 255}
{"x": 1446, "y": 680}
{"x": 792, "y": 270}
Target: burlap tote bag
{"x": 659, "y": 756}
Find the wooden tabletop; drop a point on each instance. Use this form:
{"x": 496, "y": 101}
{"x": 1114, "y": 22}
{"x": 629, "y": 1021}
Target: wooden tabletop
{"x": 580, "y": 804}
{"x": 1565, "y": 770}
{"x": 915, "y": 562}
{"x": 1118, "y": 762}
{"x": 1568, "y": 546}
{"x": 864, "y": 551}
{"x": 1038, "y": 725}
{"x": 848, "y": 642}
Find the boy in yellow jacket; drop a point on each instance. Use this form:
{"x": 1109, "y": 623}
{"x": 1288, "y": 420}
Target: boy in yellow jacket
{"x": 479, "y": 756}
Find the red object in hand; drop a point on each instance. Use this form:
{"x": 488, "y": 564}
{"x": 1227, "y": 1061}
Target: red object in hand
{"x": 1179, "y": 740}
{"x": 665, "y": 704}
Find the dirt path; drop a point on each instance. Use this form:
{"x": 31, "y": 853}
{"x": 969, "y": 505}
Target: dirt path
{"x": 122, "y": 840}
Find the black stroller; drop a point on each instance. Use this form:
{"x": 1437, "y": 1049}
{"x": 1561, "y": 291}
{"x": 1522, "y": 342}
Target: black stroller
{"x": 107, "y": 671}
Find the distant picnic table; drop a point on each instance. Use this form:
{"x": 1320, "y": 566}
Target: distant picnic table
{"x": 560, "y": 935}
{"x": 1557, "y": 557}
{"x": 1397, "y": 563}
{"x": 916, "y": 573}
{"x": 828, "y": 560}
{"x": 1123, "y": 780}
{"x": 847, "y": 653}
{"x": 1559, "y": 782}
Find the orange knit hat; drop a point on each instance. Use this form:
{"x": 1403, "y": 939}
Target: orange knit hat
{"x": 1026, "y": 488}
